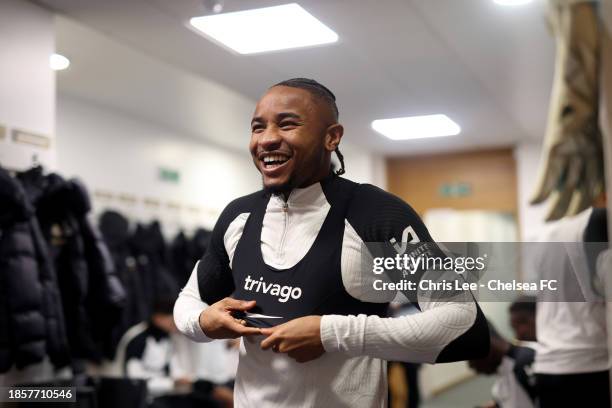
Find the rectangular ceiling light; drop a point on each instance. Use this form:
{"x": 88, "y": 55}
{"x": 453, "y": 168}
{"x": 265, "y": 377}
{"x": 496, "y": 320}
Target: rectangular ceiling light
{"x": 416, "y": 127}
{"x": 265, "y": 29}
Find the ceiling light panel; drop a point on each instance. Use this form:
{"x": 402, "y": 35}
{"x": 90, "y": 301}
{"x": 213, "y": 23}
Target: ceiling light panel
{"x": 416, "y": 127}
{"x": 512, "y": 2}
{"x": 265, "y": 29}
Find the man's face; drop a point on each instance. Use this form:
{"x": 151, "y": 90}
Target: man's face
{"x": 523, "y": 325}
{"x": 288, "y": 133}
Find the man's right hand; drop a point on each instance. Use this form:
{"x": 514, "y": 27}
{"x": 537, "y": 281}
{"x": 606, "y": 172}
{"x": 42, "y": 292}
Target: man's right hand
{"x": 217, "y": 322}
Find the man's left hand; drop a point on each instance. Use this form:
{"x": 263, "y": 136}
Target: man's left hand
{"x": 299, "y": 338}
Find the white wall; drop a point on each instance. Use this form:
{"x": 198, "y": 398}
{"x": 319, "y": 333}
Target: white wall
{"x": 113, "y": 73}
{"x": 117, "y": 153}
{"x": 363, "y": 166}
{"x": 27, "y": 85}
{"x": 531, "y": 218}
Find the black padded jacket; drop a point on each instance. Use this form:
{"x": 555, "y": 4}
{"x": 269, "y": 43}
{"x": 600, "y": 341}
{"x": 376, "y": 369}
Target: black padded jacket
{"x": 31, "y": 316}
{"x": 91, "y": 293}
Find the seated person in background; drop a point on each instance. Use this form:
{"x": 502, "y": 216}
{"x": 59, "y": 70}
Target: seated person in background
{"x": 514, "y": 387}
{"x": 150, "y": 351}
{"x": 522, "y": 318}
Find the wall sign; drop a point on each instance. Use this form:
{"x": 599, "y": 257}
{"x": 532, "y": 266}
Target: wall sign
{"x": 30, "y": 138}
{"x": 454, "y": 190}
{"x": 169, "y": 175}
{"x": 22, "y": 149}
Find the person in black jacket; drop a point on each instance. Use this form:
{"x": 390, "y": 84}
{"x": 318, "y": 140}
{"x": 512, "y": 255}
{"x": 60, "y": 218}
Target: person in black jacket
{"x": 31, "y": 317}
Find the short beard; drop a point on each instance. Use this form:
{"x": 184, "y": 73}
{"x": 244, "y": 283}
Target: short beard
{"x": 284, "y": 188}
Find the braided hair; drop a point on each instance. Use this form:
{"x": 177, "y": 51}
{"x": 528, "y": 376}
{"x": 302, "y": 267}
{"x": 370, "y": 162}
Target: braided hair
{"x": 323, "y": 93}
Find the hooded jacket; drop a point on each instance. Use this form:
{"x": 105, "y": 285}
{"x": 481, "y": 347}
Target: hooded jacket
{"x": 115, "y": 231}
{"x": 149, "y": 248}
{"x": 92, "y": 295}
{"x": 31, "y": 317}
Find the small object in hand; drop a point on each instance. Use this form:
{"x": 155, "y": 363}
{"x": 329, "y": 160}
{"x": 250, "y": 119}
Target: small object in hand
{"x": 255, "y": 319}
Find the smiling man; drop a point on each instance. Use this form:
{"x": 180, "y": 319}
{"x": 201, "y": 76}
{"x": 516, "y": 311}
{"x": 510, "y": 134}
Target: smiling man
{"x": 284, "y": 271}
{"x": 293, "y": 134}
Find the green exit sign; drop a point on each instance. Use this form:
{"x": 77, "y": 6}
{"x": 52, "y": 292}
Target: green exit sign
{"x": 169, "y": 175}
{"x": 455, "y": 190}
